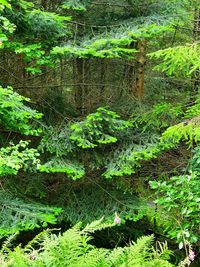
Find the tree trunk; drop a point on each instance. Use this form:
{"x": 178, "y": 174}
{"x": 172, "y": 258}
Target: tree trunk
{"x": 140, "y": 65}
{"x": 81, "y": 89}
{"x": 102, "y": 63}
{"x": 196, "y": 31}
{"x": 129, "y": 73}
{"x": 130, "y": 77}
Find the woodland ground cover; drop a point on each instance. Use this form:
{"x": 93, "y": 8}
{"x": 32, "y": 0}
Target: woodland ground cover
{"x": 99, "y": 133}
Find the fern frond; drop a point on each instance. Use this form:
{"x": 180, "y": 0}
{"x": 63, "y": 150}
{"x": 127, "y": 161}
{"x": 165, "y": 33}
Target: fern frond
{"x": 157, "y": 263}
{"x": 97, "y": 226}
{"x": 140, "y": 251}
{"x": 94, "y": 258}
{"x": 117, "y": 257}
{"x": 73, "y": 248}
{"x": 8, "y": 242}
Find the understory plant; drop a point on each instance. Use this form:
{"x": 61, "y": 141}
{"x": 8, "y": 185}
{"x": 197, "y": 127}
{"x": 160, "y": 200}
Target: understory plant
{"x": 73, "y": 248}
{"x": 178, "y": 207}
{"x": 178, "y": 200}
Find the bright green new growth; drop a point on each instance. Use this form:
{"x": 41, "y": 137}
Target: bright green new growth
{"x": 73, "y": 169}
{"x": 98, "y": 128}
{"x": 15, "y": 115}
{"x": 178, "y": 61}
{"x": 6, "y": 26}
{"x": 96, "y": 131}
{"x": 114, "y": 46}
{"x": 89, "y": 138}
{"x": 17, "y": 157}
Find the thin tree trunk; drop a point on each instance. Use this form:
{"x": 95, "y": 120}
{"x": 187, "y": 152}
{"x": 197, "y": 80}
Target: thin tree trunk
{"x": 196, "y": 31}
{"x": 129, "y": 71}
{"x": 140, "y": 65}
{"x": 130, "y": 76}
{"x": 81, "y": 89}
{"x": 86, "y": 78}
{"x": 102, "y": 79}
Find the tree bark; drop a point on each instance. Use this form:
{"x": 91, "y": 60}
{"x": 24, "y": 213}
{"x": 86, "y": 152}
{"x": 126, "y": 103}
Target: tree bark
{"x": 196, "y": 31}
{"x": 140, "y": 65}
{"x": 129, "y": 72}
{"x": 102, "y": 63}
{"x": 81, "y": 89}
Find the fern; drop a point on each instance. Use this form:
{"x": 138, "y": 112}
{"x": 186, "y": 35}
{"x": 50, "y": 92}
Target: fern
{"x": 73, "y": 249}
{"x": 139, "y": 254}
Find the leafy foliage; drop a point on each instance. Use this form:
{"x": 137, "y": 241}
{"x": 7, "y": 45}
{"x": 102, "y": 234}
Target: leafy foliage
{"x": 45, "y": 24}
{"x": 5, "y": 25}
{"x": 15, "y": 116}
{"x": 125, "y": 162}
{"x": 4, "y": 4}
{"x": 33, "y": 54}
{"x": 179, "y": 200}
{"x": 82, "y": 41}
{"x": 75, "y": 5}
{"x": 35, "y": 32}
{"x": 137, "y": 140}
{"x": 114, "y": 46}
{"x": 194, "y": 162}
{"x": 17, "y": 157}
{"x": 103, "y": 48}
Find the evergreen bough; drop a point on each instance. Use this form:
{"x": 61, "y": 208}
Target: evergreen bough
{"x": 17, "y": 214}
